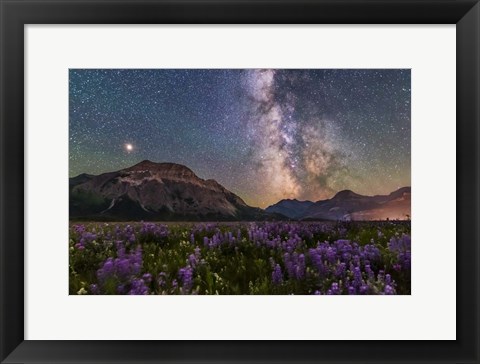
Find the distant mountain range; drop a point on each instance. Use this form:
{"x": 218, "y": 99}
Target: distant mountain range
{"x": 168, "y": 191}
{"x": 348, "y": 205}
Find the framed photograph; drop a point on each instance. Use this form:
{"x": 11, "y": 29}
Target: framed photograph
{"x": 240, "y": 181}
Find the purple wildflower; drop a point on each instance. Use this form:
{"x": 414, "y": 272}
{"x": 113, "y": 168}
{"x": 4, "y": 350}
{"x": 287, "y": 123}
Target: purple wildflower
{"x": 277, "y": 275}
{"x": 138, "y": 287}
{"x": 185, "y": 275}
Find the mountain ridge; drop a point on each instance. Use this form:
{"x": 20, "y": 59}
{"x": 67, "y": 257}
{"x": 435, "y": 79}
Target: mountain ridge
{"x": 348, "y": 205}
{"x": 170, "y": 191}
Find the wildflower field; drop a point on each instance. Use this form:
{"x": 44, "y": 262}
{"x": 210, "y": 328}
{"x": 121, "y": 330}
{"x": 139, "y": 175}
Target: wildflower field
{"x": 240, "y": 258}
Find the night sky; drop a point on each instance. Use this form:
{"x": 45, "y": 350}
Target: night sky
{"x": 265, "y": 135}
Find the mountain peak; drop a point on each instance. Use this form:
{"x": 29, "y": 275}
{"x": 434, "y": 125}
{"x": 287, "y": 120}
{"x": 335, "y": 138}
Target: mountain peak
{"x": 170, "y": 168}
{"x": 287, "y": 200}
{"x": 291, "y": 208}
{"x": 145, "y": 162}
{"x": 346, "y": 194}
{"x": 149, "y": 163}
{"x": 406, "y": 189}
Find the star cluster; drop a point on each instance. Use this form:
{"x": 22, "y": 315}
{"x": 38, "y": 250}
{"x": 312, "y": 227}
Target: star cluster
{"x": 263, "y": 134}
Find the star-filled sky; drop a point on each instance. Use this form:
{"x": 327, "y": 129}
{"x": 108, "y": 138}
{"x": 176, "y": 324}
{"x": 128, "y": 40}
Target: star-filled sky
{"x": 264, "y": 134}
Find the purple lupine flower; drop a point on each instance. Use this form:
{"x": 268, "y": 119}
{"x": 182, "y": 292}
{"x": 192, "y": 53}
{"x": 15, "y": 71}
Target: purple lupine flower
{"x": 316, "y": 258}
{"x": 356, "y": 261}
{"x": 381, "y": 276}
{"x": 388, "y": 279}
{"x": 371, "y": 253}
{"x": 174, "y": 284}
{"x": 87, "y": 237}
{"x": 330, "y": 254}
{"x": 185, "y": 275}
{"x": 357, "y": 277}
{"x": 162, "y": 279}
{"x": 192, "y": 260}
{"x": 123, "y": 269}
{"x": 121, "y": 289}
{"x": 389, "y": 290}
{"x": 152, "y": 230}
{"x": 138, "y": 287}
{"x": 405, "y": 260}
{"x": 364, "y": 289}
{"x": 277, "y": 275}
{"x": 107, "y": 270}
{"x": 340, "y": 270}
{"x": 79, "y": 229}
{"x": 370, "y": 273}
{"x": 289, "y": 265}
{"x": 197, "y": 252}
{"x": 401, "y": 244}
{"x": 335, "y": 289}
{"x": 300, "y": 267}
{"x": 94, "y": 289}
{"x": 147, "y": 277}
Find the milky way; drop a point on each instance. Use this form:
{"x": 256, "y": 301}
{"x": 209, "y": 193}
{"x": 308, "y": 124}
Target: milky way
{"x": 263, "y": 134}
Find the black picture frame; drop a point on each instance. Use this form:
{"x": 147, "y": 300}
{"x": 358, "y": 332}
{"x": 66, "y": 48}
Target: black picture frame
{"x": 17, "y": 13}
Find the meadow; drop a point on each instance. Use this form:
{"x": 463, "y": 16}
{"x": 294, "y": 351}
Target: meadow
{"x": 258, "y": 258}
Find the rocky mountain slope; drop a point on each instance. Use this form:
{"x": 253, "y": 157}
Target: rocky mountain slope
{"x": 156, "y": 191}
